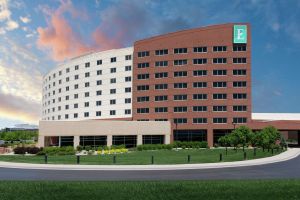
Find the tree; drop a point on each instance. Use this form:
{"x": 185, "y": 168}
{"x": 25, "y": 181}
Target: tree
{"x": 241, "y": 135}
{"x": 269, "y": 136}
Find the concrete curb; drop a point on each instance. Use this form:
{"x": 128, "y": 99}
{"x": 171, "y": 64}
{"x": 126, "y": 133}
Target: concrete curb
{"x": 287, "y": 155}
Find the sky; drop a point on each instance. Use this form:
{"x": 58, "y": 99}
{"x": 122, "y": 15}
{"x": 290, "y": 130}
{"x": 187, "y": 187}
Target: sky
{"x": 37, "y": 35}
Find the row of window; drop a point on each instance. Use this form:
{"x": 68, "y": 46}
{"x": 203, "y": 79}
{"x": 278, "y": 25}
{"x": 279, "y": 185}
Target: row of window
{"x": 196, "y": 61}
{"x": 203, "y": 120}
{"x": 88, "y": 64}
{"x": 198, "y": 49}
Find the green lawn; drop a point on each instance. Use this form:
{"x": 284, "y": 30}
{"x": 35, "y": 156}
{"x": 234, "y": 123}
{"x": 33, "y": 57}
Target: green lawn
{"x": 144, "y": 157}
{"x": 156, "y": 190}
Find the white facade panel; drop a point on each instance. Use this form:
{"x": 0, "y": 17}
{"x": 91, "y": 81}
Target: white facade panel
{"x": 59, "y": 102}
{"x": 275, "y": 116}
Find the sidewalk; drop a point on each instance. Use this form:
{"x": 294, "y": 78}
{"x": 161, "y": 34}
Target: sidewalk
{"x": 287, "y": 155}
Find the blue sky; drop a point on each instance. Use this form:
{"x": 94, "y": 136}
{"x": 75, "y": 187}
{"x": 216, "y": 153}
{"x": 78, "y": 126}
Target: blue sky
{"x": 36, "y": 35}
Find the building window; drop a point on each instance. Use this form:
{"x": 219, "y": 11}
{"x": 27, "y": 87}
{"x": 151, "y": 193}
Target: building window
{"x": 199, "y": 61}
{"x": 200, "y": 84}
{"x": 240, "y": 108}
{"x": 199, "y": 96}
{"x": 219, "y": 120}
{"x": 67, "y": 98}
{"x": 99, "y": 72}
{"x": 180, "y": 74}
{"x": 128, "y": 57}
{"x": 142, "y": 87}
{"x": 128, "y": 68}
{"x": 67, "y": 88}
{"x": 143, "y": 65}
{"x": 219, "y": 84}
{"x": 66, "y": 116}
{"x": 67, "y": 80}
{"x": 67, "y": 70}
{"x": 128, "y": 79}
{"x": 239, "y": 47}
{"x": 127, "y": 111}
{"x": 180, "y": 62}
{"x": 128, "y": 90}
{"x": 239, "y": 120}
{"x": 113, "y": 70}
{"x": 76, "y": 77}
{"x": 113, "y": 59}
{"x": 200, "y": 49}
{"x": 153, "y": 139}
{"x": 199, "y": 120}
{"x": 76, "y": 67}
{"x": 220, "y": 72}
{"x": 87, "y": 64}
{"x": 87, "y": 84}
{"x": 75, "y": 115}
{"x": 161, "y": 63}
{"x": 239, "y": 84}
{"x": 112, "y": 112}
{"x": 161, "y": 52}
{"x": 219, "y": 60}
{"x": 180, "y": 97}
{"x": 87, "y": 74}
{"x": 112, "y": 102}
{"x": 180, "y": 109}
{"x": 161, "y": 109}
{"x": 180, "y": 120}
{"x": 143, "y": 99}
{"x": 113, "y": 80}
{"x": 128, "y": 140}
{"x": 142, "y": 110}
{"x": 190, "y": 135}
{"x": 199, "y": 108}
{"x": 98, "y": 103}
{"x": 142, "y": 76}
{"x": 180, "y": 50}
{"x": 98, "y": 113}
{"x": 219, "y": 96}
{"x": 86, "y": 114}
{"x": 99, "y": 62}
{"x": 219, "y": 48}
{"x": 239, "y": 60}
{"x": 219, "y": 108}
{"x": 180, "y": 85}
{"x": 127, "y": 100}
{"x": 239, "y": 96}
{"x": 75, "y": 96}
{"x": 86, "y": 104}
{"x": 113, "y": 91}
{"x": 239, "y": 72}
{"x": 60, "y": 73}
{"x": 161, "y": 98}
{"x": 161, "y": 120}
{"x": 99, "y": 82}
{"x": 161, "y": 75}
{"x": 86, "y": 94}
{"x": 143, "y": 54}
{"x": 200, "y": 73}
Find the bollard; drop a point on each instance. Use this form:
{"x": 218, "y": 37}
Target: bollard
{"x": 254, "y": 151}
{"x": 78, "y": 159}
{"x": 152, "y": 160}
{"x": 245, "y": 155}
{"x": 221, "y": 157}
{"x": 189, "y": 158}
{"x": 114, "y": 159}
{"x": 46, "y": 159}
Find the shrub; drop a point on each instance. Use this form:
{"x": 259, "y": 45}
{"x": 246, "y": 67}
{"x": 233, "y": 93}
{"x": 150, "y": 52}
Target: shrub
{"x": 30, "y": 150}
{"x": 58, "y": 151}
{"x": 79, "y": 148}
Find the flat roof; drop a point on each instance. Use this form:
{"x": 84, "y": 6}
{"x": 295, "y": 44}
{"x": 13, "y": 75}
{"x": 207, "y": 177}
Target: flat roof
{"x": 275, "y": 116}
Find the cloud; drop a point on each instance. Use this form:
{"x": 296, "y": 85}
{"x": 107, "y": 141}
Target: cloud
{"x": 11, "y": 25}
{"x": 25, "y": 20}
{"x": 5, "y": 18}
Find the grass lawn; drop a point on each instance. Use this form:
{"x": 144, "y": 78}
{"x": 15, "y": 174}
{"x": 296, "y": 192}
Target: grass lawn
{"x": 156, "y": 190}
{"x": 144, "y": 157}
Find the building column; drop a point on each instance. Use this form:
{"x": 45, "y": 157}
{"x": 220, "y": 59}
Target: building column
{"x": 109, "y": 140}
{"x": 76, "y": 141}
{"x": 59, "y": 141}
{"x": 139, "y": 139}
{"x": 167, "y": 139}
{"x": 41, "y": 141}
{"x": 210, "y": 137}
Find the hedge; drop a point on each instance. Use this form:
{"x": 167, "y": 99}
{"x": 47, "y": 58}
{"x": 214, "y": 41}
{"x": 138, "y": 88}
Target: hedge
{"x": 58, "y": 151}
{"x": 30, "y": 150}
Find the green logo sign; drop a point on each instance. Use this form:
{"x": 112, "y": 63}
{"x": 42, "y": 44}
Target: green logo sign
{"x": 240, "y": 34}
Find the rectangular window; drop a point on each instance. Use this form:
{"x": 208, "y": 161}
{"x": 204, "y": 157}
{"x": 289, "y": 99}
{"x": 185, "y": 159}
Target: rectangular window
{"x": 239, "y": 84}
{"x": 220, "y": 120}
{"x": 127, "y": 100}
{"x": 142, "y": 76}
{"x": 161, "y": 86}
{"x": 142, "y": 110}
{"x": 98, "y": 113}
{"x": 99, "y": 62}
{"x": 219, "y": 84}
{"x": 75, "y": 115}
{"x": 239, "y": 120}
{"x": 199, "y": 108}
{"x": 161, "y": 98}
{"x": 127, "y": 89}
{"x": 87, "y": 84}
{"x": 239, "y": 60}
{"x": 127, "y": 111}
{"x": 199, "y": 61}
{"x": 199, "y": 96}
{"x": 219, "y": 48}
{"x": 76, "y": 77}
{"x": 76, "y": 67}
{"x": 112, "y": 102}
{"x": 161, "y": 109}
{"x": 113, "y": 70}
{"x": 142, "y": 87}
{"x": 239, "y": 96}
{"x": 180, "y": 74}
{"x": 113, "y": 59}
{"x": 239, "y": 47}
{"x": 67, "y": 70}
{"x": 67, "y": 80}
{"x": 240, "y": 108}
{"x": 99, "y": 82}
{"x": 86, "y": 94}
{"x": 200, "y": 73}
{"x": 180, "y": 109}
{"x": 87, "y": 74}
{"x": 112, "y": 112}
{"x": 143, "y": 99}
{"x": 180, "y": 85}
{"x": 113, "y": 91}
{"x": 87, "y": 64}
{"x": 239, "y": 72}
{"x": 143, "y": 65}
{"x": 86, "y": 104}
{"x": 219, "y": 108}
{"x": 143, "y": 54}
{"x": 180, "y": 50}
{"x": 161, "y": 75}
{"x": 180, "y": 97}
{"x": 180, "y": 120}
{"x": 199, "y": 120}
{"x": 219, "y": 60}
{"x": 200, "y": 84}
{"x": 219, "y": 96}
{"x": 200, "y": 49}
{"x": 161, "y": 52}
{"x": 128, "y": 57}
{"x": 128, "y": 68}
{"x": 99, "y": 72}
{"x": 161, "y": 63}
{"x": 128, "y": 79}
{"x": 98, "y": 103}
{"x": 113, "y": 80}
{"x": 180, "y": 62}
{"x": 76, "y": 105}
{"x": 220, "y": 72}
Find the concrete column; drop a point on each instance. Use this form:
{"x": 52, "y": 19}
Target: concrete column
{"x": 109, "y": 140}
{"x": 76, "y": 141}
{"x": 210, "y": 137}
{"x": 59, "y": 141}
{"x": 139, "y": 139}
{"x": 167, "y": 139}
{"x": 41, "y": 141}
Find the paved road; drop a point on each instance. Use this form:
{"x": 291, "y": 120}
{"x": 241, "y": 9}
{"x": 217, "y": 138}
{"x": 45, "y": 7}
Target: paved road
{"x": 282, "y": 170}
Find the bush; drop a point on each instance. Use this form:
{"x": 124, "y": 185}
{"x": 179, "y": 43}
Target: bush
{"x": 79, "y": 148}
{"x": 58, "y": 151}
{"x": 154, "y": 147}
{"x": 193, "y": 145}
{"x": 30, "y": 150}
